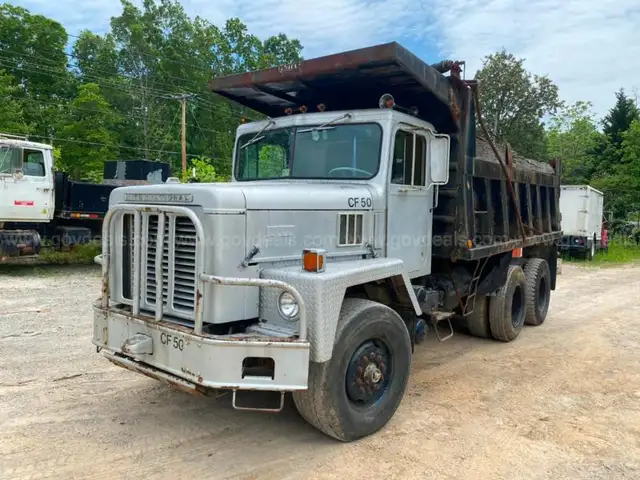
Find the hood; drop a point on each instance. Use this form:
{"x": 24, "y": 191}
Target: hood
{"x": 264, "y": 195}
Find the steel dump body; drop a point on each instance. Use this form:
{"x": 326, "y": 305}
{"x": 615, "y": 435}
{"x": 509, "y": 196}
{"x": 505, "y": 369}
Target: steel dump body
{"x": 476, "y": 214}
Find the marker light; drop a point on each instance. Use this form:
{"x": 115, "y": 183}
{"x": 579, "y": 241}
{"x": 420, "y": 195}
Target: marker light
{"x": 313, "y": 259}
{"x": 386, "y": 101}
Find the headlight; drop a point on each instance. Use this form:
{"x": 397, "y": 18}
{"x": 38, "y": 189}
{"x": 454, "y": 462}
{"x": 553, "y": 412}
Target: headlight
{"x": 287, "y": 306}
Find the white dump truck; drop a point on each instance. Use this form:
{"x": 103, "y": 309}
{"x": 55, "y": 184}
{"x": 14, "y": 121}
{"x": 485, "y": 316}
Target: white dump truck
{"x": 582, "y": 212}
{"x": 362, "y": 212}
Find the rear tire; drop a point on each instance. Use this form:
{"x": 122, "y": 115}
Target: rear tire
{"x": 537, "y": 291}
{"x": 478, "y": 321}
{"x": 591, "y": 252}
{"x": 358, "y": 390}
{"x": 507, "y": 307}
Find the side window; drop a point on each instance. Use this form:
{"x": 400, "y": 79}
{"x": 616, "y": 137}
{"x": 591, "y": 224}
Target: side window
{"x": 33, "y": 163}
{"x": 10, "y": 159}
{"x": 409, "y": 159}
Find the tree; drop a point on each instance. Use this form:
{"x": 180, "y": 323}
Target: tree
{"x": 32, "y": 50}
{"x": 11, "y": 107}
{"x": 573, "y": 138}
{"x": 514, "y": 102}
{"x": 620, "y": 118}
{"x": 87, "y": 136}
{"x": 621, "y": 182}
{"x": 204, "y": 171}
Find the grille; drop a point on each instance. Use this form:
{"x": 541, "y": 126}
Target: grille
{"x": 350, "y": 229}
{"x": 178, "y": 264}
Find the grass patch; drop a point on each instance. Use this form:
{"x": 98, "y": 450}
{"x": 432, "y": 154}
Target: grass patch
{"x": 621, "y": 251}
{"x": 80, "y": 254}
{"x": 53, "y": 262}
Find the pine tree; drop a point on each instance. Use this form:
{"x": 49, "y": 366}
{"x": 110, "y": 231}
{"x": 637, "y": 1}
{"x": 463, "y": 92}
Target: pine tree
{"x": 619, "y": 118}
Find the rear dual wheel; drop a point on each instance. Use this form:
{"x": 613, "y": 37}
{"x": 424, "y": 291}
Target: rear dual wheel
{"x": 507, "y": 308}
{"x": 537, "y": 291}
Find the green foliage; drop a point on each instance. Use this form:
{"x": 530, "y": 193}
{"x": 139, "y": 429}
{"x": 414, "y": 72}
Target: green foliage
{"x": 514, "y": 102}
{"x": 79, "y": 254}
{"x": 573, "y": 137}
{"x": 621, "y": 250}
{"x": 12, "y": 118}
{"x": 620, "y": 118}
{"x": 153, "y": 51}
{"x": 204, "y": 171}
{"x": 620, "y": 182}
{"x": 32, "y": 49}
{"x": 89, "y": 131}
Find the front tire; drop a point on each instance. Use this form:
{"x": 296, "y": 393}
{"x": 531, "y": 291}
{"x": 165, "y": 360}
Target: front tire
{"x": 507, "y": 307}
{"x": 357, "y": 392}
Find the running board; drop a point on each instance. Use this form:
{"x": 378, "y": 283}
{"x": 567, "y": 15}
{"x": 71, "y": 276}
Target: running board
{"x": 234, "y": 402}
{"x": 437, "y": 317}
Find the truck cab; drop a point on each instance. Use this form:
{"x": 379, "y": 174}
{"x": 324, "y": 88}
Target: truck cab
{"x": 26, "y": 180}
{"x": 342, "y": 233}
{"x": 26, "y": 193}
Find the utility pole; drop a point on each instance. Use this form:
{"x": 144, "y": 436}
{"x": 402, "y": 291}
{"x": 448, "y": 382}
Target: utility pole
{"x": 183, "y": 140}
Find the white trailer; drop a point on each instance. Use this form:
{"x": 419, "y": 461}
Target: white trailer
{"x": 581, "y": 207}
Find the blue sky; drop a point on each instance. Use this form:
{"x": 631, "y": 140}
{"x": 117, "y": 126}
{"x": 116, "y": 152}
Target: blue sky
{"x": 590, "y": 48}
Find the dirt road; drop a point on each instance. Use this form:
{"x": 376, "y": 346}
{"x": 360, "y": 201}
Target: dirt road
{"x": 561, "y": 402}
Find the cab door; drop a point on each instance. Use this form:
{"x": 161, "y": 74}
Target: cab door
{"x": 26, "y": 184}
{"x": 409, "y": 203}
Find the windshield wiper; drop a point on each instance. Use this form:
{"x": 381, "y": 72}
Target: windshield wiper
{"x": 343, "y": 117}
{"x": 257, "y": 136}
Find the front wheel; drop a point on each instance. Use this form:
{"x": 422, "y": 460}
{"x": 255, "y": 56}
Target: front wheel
{"x": 357, "y": 392}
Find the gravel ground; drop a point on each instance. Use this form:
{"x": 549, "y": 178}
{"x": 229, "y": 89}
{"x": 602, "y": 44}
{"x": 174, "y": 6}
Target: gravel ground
{"x": 560, "y": 402}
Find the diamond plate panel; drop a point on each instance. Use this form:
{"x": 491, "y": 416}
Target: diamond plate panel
{"x": 324, "y": 292}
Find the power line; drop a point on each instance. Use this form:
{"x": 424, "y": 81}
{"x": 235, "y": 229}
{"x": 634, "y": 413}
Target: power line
{"x": 119, "y": 87}
{"x": 108, "y": 82}
{"x": 51, "y": 63}
{"x": 98, "y": 144}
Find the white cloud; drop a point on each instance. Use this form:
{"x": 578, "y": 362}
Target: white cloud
{"x": 590, "y": 48}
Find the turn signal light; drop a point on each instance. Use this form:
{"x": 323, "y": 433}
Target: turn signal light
{"x": 313, "y": 260}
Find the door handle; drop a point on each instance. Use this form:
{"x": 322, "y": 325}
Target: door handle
{"x": 44, "y": 190}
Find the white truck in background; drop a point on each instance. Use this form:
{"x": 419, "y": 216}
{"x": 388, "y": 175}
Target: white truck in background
{"x": 581, "y": 207}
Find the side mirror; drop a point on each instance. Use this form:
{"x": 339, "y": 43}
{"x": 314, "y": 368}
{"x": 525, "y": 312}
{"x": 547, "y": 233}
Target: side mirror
{"x": 439, "y": 159}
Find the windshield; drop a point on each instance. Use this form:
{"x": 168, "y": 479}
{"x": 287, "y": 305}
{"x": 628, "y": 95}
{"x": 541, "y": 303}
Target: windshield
{"x": 340, "y": 151}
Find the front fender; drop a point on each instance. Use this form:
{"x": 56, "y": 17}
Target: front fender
{"x": 324, "y": 292}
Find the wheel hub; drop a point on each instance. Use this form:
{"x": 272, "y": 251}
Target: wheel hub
{"x": 372, "y": 374}
{"x": 366, "y": 377}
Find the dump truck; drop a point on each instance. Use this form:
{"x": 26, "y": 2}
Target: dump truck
{"x": 583, "y": 225}
{"x": 363, "y": 212}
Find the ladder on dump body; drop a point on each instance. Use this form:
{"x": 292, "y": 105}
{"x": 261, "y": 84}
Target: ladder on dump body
{"x": 473, "y": 287}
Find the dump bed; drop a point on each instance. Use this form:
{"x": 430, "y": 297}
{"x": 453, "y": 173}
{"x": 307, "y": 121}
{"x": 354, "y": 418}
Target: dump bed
{"x": 479, "y": 212}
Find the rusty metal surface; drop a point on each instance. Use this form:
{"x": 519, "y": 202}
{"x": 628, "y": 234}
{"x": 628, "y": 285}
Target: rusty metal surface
{"x": 346, "y": 81}
{"x": 267, "y": 283}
